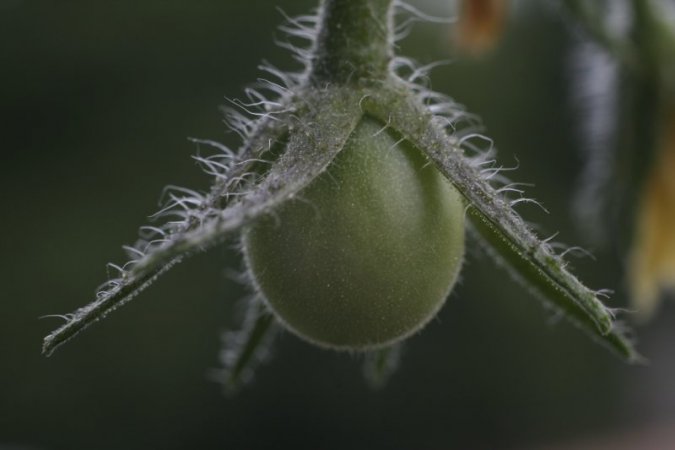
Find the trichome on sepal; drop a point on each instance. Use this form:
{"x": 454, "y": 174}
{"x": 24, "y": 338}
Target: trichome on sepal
{"x": 293, "y": 138}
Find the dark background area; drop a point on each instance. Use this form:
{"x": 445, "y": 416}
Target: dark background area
{"x": 96, "y": 102}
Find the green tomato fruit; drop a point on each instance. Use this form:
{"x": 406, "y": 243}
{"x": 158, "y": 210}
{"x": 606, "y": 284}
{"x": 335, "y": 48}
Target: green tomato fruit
{"x": 368, "y": 253}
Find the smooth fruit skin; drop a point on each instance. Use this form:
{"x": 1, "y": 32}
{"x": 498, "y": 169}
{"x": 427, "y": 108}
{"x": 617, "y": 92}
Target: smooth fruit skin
{"x": 369, "y": 252}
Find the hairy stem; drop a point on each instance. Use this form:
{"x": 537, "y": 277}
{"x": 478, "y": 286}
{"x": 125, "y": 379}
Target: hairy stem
{"x": 354, "y": 42}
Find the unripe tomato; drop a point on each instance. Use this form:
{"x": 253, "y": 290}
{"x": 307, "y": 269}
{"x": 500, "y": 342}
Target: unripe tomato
{"x": 370, "y": 251}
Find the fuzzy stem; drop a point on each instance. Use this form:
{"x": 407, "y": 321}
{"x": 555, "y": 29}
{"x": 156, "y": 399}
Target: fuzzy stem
{"x": 354, "y": 41}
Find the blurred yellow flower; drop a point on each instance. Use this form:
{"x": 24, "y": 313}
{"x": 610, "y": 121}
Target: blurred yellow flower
{"x": 652, "y": 258}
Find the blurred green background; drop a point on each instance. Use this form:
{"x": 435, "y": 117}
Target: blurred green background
{"x": 97, "y": 100}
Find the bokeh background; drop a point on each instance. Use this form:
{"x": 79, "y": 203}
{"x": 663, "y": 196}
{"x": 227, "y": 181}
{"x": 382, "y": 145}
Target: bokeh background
{"x": 96, "y": 102}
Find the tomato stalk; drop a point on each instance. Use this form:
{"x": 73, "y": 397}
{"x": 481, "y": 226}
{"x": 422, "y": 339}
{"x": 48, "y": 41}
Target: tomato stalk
{"x": 354, "y": 42}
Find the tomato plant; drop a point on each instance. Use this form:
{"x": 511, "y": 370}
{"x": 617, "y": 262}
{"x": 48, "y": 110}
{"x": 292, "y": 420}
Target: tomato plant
{"x": 354, "y": 230}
